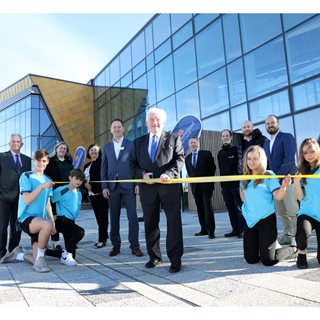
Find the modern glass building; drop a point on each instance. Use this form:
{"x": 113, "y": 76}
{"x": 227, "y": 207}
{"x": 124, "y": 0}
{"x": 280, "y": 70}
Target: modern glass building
{"x": 223, "y": 68}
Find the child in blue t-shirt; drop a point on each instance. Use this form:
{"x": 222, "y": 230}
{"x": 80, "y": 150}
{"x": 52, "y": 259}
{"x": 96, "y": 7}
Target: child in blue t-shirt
{"x": 307, "y": 191}
{"x": 260, "y": 233}
{"x": 34, "y": 213}
{"x": 68, "y": 201}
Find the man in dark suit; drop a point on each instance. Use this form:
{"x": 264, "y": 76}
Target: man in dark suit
{"x": 200, "y": 163}
{"x": 115, "y": 166}
{"x": 280, "y": 151}
{"x": 159, "y": 154}
{"x": 12, "y": 165}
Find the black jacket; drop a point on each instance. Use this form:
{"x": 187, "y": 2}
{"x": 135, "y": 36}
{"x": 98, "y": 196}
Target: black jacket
{"x": 228, "y": 165}
{"x": 95, "y": 175}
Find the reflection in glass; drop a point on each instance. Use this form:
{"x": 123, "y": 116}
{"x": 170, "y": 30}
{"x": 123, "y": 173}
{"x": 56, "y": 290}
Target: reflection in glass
{"x": 237, "y": 86}
{"x": 126, "y": 80}
{"x": 164, "y": 78}
{"x": 114, "y": 70}
{"x": 178, "y": 20}
{"x": 125, "y": 60}
{"x": 277, "y": 104}
{"x": 151, "y": 99}
{"x": 213, "y": 93}
{"x": 45, "y": 123}
{"x": 182, "y": 35}
{"x": 140, "y": 93}
{"x": 217, "y": 123}
{"x": 202, "y": 20}
{"x": 254, "y": 30}
{"x": 127, "y": 104}
{"x": 188, "y": 102}
{"x": 265, "y": 69}
{"x": 292, "y": 19}
{"x": 116, "y": 107}
{"x": 231, "y": 36}
{"x": 162, "y": 51}
{"x": 138, "y": 49}
{"x": 161, "y": 29}
{"x": 169, "y": 105}
{"x": 139, "y": 70}
{"x": 10, "y": 112}
{"x": 150, "y": 61}
{"x": 149, "y": 39}
{"x": 185, "y": 65}
{"x": 35, "y": 124}
{"x": 307, "y": 94}
{"x": 238, "y": 116}
{"x": 304, "y": 50}
{"x": 210, "y": 53}
{"x": 307, "y": 125}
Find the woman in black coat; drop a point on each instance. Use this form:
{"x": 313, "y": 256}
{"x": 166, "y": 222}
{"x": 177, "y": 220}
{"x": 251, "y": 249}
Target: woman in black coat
{"x": 99, "y": 204}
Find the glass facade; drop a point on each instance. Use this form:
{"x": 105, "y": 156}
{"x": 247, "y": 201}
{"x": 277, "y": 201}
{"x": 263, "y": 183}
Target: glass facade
{"x": 223, "y": 68}
{"x": 29, "y": 118}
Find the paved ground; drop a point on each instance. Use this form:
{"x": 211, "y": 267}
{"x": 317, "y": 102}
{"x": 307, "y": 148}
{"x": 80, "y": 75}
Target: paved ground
{"x": 214, "y": 273}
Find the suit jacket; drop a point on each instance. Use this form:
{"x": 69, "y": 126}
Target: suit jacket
{"x": 9, "y": 177}
{"x": 113, "y": 168}
{"x": 205, "y": 167}
{"x": 95, "y": 174}
{"x": 282, "y": 158}
{"x": 169, "y": 160}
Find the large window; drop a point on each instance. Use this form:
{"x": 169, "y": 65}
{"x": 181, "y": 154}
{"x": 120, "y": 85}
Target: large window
{"x": 307, "y": 94}
{"x": 304, "y": 50}
{"x": 210, "y": 53}
{"x": 213, "y": 93}
{"x": 138, "y": 49}
{"x": 292, "y": 19}
{"x": 258, "y": 28}
{"x": 164, "y": 78}
{"x": 265, "y": 69}
{"x": 231, "y": 36}
{"x": 238, "y": 116}
{"x": 237, "y": 86}
{"x": 217, "y": 123}
{"x": 161, "y": 29}
{"x": 178, "y": 20}
{"x": 188, "y": 102}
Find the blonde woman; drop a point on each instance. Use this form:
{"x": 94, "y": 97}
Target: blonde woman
{"x": 307, "y": 192}
{"x": 260, "y": 232}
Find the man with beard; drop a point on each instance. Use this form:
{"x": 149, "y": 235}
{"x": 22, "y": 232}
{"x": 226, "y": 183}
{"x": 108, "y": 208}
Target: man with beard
{"x": 250, "y": 137}
{"x": 280, "y": 151}
{"x": 228, "y": 165}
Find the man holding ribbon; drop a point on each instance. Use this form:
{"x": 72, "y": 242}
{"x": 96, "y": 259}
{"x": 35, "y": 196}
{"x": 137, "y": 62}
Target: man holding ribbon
{"x": 12, "y": 164}
{"x": 160, "y": 154}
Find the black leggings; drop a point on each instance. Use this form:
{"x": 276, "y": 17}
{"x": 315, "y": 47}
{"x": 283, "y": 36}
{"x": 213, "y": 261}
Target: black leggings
{"x": 305, "y": 225}
{"x": 72, "y": 233}
{"x": 259, "y": 242}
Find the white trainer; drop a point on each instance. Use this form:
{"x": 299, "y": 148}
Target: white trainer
{"x": 11, "y": 256}
{"x": 40, "y": 265}
{"x": 68, "y": 260}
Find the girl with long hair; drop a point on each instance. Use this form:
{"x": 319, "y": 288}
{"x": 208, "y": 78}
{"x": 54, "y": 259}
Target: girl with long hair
{"x": 307, "y": 192}
{"x": 260, "y": 232}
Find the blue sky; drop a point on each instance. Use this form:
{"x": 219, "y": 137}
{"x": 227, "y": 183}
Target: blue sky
{"x": 73, "y": 47}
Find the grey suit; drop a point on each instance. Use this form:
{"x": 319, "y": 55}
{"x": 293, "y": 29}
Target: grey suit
{"x": 9, "y": 195}
{"x": 118, "y": 169}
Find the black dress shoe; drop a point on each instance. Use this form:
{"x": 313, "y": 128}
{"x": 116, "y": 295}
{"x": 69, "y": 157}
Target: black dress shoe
{"x": 152, "y": 263}
{"x": 211, "y": 236}
{"x": 174, "y": 268}
{"x": 115, "y": 251}
{"x": 100, "y": 245}
{"x": 231, "y": 234}
{"x": 201, "y": 233}
{"x": 137, "y": 252}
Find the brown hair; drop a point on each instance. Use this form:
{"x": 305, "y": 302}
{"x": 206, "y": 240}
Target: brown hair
{"x": 304, "y": 166}
{"x": 39, "y": 154}
{"x": 78, "y": 174}
{"x": 263, "y": 164}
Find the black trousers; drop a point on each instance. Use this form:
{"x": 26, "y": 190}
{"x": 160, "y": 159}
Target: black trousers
{"x": 169, "y": 197}
{"x": 72, "y": 233}
{"x": 8, "y": 215}
{"x": 259, "y": 242}
{"x": 205, "y": 211}
{"x": 305, "y": 225}
{"x": 231, "y": 197}
{"x": 100, "y": 208}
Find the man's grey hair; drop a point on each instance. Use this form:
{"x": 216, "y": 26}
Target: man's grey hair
{"x": 16, "y": 135}
{"x": 161, "y": 113}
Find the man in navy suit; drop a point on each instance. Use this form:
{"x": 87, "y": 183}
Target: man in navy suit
{"x": 115, "y": 166}
{"x": 12, "y": 165}
{"x": 200, "y": 163}
{"x": 160, "y": 154}
{"x": 280, "y": 151}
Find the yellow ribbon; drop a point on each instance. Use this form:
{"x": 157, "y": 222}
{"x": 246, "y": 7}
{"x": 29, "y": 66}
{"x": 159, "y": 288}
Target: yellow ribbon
{"x": 207, "y": 179}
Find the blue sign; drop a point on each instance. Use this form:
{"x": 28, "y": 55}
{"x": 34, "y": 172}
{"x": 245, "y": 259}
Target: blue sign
{"x": 79, "y": 157}
{"x": 187, "y": 127}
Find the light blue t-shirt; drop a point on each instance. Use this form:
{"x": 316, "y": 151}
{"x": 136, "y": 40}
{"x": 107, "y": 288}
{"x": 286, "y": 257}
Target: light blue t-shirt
{"x": 68, "y": 202}
{"x": 310, "y": 205}
{"x": 29, "y": 181}
{"x": 259, "y": 202}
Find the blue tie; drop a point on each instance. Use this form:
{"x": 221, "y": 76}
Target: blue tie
{"x": 194, "y": 159}
{"x": 18, "y": 165}
{"x": 153, "y": 149}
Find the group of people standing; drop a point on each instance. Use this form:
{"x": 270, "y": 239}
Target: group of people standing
{"x": 251, "y": 204}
